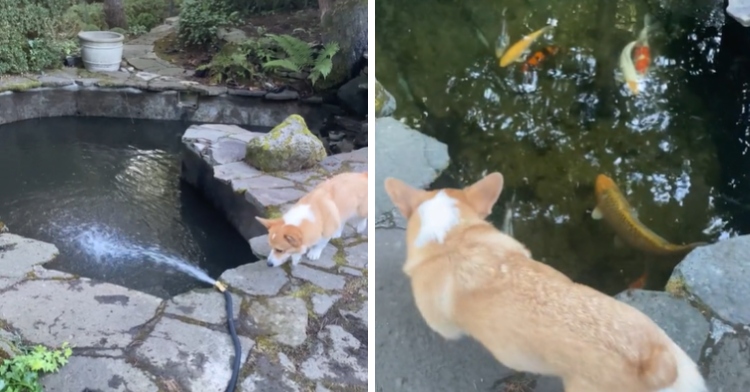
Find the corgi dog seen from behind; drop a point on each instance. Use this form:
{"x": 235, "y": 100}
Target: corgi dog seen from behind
{"x": 316, "y": 218}
{"x": 468, "y": 278}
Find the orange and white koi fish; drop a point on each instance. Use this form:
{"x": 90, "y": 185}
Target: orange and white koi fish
{"x": 642, "y": 51}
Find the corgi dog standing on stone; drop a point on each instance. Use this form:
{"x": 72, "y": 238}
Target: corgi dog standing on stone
{"x": 468, "y": 278}
{"x": 316, "y": 218}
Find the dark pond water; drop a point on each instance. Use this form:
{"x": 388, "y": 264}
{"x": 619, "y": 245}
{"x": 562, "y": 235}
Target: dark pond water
{"x": 678, "y": 150}
{"x": 107, "y": 193}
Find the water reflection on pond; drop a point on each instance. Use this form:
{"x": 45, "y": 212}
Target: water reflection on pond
{"x": 673, "y": 149}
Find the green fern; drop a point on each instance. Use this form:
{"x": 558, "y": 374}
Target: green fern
{"x": 324, "y": 62}
{"x": 286, "y": 64}
{"x": 296, "y": 50}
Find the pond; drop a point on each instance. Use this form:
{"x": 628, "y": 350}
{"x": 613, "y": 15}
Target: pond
{"x": 107, "y": 192}
{"x": 677, "y": 149}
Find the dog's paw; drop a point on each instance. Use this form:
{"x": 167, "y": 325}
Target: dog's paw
{"x": 314, "y": 253}
{"x": 362, "y": 226}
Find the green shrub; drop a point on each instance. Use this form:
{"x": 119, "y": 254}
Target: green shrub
{"x": 297, "y": 55}
{"x": 81, "y": 17}
{"x": 245, "y": 7}
{"x": 21, "y": 373}
{"x": 28, "y": 34}
{"x": 145, "y": 13}
{"x": 200, "y": 20}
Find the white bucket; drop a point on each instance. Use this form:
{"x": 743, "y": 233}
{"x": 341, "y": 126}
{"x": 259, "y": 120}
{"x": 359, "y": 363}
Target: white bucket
{"x": 101, "y": 50}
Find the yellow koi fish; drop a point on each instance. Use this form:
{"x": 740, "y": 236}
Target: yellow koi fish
{"x": 612, "y": 206}
{"x": 515, "y": 52}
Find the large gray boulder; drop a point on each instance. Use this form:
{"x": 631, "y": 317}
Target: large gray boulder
{"x": 346, "y": 24}
{"x": 290, "y": 147}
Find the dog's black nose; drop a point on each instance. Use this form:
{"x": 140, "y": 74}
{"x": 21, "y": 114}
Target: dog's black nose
{"x": 269, "y": 263}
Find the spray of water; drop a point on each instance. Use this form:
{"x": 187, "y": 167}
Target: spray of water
{"x": 105, "y": 245}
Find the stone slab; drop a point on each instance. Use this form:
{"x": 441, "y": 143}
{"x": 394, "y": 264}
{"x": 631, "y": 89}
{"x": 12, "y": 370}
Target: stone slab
{"x": 231, "y": 172}
{"x": 284, "y": 318}
{"x": 339, "y": 358}
{"x": 708, "y": 273}
{"x": 740, "y": 11}
{"x": 682, "y": 322}
{"x": 322, "y": 302}
{"x": 256, "y": 279}
{"x": 729, "y": 366}
{"x": 356, "y": 255}
{"x": 319, "y": 278}
{"x": 199, "y": 358}
{"x": 204, "y": 306}
{"x": 98, "y": 374}
{"x": 427, "y": 158}
{"x": 19, "y": 255}
{"x": 81, "y": 312}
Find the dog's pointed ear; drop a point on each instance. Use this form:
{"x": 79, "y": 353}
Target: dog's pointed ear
{"x": 404, "y": 196}
{"x": 293, "y": 240}
{"x": 268, "y": 223}
{"x": 483, "y": 194}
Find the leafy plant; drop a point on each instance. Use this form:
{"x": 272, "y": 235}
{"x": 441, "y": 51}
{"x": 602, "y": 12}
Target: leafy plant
{"x": 82, "y": 17}
{"x": 230, "y": 63}
{"x": 21, "y": 373}
{"x": 143, "y": 15}
{"x": 299, "y": 56}
{"x": 201, "y": 19}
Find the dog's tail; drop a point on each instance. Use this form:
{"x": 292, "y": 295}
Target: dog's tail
{"x": 672, "y": 370}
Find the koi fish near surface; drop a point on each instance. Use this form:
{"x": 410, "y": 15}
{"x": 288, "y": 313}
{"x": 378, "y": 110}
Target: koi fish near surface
{"x": 503, "y": 40}
{"x": 629, "y": 74}
{"x": 521, "y": 47}
{"x": 612, "y": 206}
{"x": 539, "y": 56}
{"x": 638, "y": 283}
{"x": 642, "y": 51}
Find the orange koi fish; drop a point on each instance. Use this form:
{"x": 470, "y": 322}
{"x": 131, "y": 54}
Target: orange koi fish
{"x": 539, "y": 56}
{"x": 642, "y": 51}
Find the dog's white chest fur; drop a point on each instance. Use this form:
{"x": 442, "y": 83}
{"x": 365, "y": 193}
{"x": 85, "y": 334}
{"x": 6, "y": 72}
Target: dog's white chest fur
{"x": 437, "y": 216}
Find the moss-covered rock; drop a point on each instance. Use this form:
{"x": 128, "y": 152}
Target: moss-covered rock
{"x": 385, "y": 104}
{"x": 3, "y": 227}
{"x": 290, "y": 146}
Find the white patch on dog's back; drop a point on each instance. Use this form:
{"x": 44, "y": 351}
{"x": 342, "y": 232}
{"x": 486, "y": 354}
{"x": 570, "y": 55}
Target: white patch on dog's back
{"x": 297, "y": 214}
{"x": 438, "y": 216}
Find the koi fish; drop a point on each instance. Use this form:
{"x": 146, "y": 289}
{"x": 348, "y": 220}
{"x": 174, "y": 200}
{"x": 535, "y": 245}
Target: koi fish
{"x": 629, "y": 74}
{"x": 638, "y": 283}
{"x": 503, "y": 40}
{"x": 642, "y": 51}
{"x": 539, "y": 56}
{"x": 521, "y": 47}
{"x": 612, "y": 206}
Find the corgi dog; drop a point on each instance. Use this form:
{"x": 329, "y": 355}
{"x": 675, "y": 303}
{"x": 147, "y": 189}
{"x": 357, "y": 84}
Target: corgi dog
{"x": 468, "y": 278}
{"x": 316, "y": 218}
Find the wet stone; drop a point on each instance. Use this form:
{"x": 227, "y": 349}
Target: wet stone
{"x": 52, "y": 311}
{"x": 350, "y": 271}
{"x": 272, "y": 197}
{"x": 682, "y": 322}
{"x": 228, "y": 150}
{"x": 356, "y": 255}
{"x": 86, "y": 82}
{"x": 55, "y": 81}
{"x": 196, "y": 356}
{"x": 322, "y": 279}
{"x": 19, "y": 255}
{"x": 285, "y": 95}
{"x": 360, "y": 315}
{"x": 708, "y": 271}
{"x": 98, "y": 374}
{"x": 729, "y": 364}
{"x": 266, "y": 181}
{"x": 256, "y": 279}
{"x": 207, "y": 90}
{"x": 166, "y": 85}
{"x": 338, "y": 358}
{"x": 204, "y": 306}
{"x": 235, "y": 171}
{"x": 284, "y": 318}
{"x": 246, "y": 93}
{"x": 260, "y": 247}
{"x": 43, "y": 273}
{"x": 267, "y": 375}
{"x": 322, "y": 302}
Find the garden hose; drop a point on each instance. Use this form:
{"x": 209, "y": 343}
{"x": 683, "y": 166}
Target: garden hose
{"x": 235, "y": 340}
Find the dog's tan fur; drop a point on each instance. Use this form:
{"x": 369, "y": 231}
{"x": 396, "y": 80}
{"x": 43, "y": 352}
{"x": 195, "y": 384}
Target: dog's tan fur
{"x": 332, "y": 203}
{"x": 531, "y": 317}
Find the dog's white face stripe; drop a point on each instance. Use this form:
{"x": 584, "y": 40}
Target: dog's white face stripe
{"x": 297, "y": 214}
{"x": 438, "y": 216}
